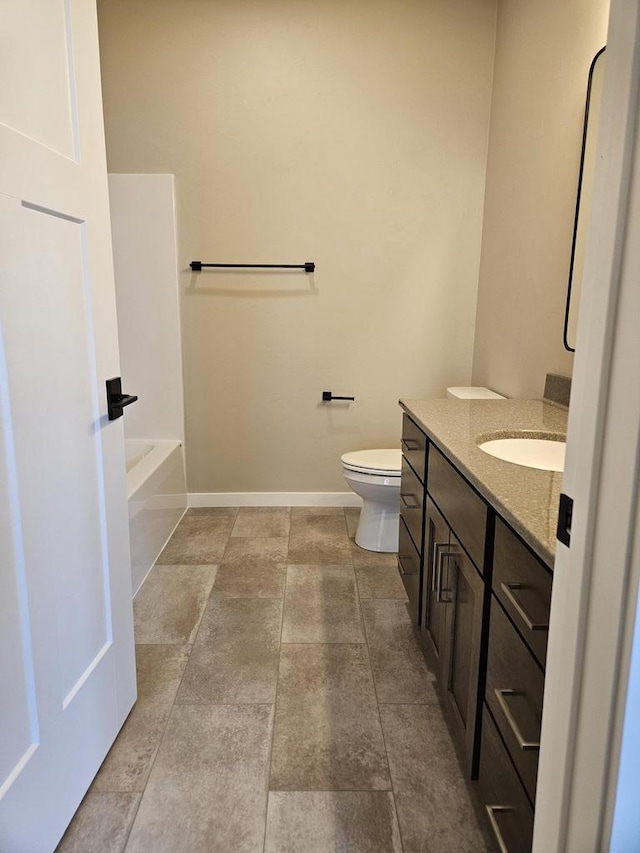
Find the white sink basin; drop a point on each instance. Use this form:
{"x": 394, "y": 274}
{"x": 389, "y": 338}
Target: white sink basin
{"x": 532, "y": 452}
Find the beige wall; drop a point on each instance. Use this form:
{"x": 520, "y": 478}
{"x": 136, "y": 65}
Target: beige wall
{"x": 543, "y": 53}
{"x": 348, "y": 132}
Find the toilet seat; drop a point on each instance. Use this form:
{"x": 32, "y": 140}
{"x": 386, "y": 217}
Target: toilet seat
{"x": 383, "y": 463}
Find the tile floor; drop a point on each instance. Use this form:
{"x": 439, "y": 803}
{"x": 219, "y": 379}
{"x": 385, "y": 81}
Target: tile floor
{"x": 284, "y": 704}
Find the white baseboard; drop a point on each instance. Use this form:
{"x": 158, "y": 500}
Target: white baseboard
{"x": 203, "y": 499}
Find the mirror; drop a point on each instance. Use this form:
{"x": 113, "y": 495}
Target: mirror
{"x": 583, "y": 202}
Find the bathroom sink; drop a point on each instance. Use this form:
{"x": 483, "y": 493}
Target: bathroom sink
{"x": 544, "y": 451}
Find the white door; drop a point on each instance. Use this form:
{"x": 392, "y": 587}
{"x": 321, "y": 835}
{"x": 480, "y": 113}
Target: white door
{"x": 67, "y": 665}
{"x": 595, "y": 583}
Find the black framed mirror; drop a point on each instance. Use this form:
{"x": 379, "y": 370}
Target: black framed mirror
{"x": 583, "y": 201}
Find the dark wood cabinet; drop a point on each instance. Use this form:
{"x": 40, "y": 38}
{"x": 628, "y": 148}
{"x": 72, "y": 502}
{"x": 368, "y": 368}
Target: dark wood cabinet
{"x": 462, "y": 590}
{"x": 411, "y": 503}
{"x": 512, "y": 718}
{"x": 451, "y": 627}
{"x": 414, "y": 446}
{"x": 515, "y": 686}
{"x": 410, "y": 546}
{"x": 522, "y": 585}
{"x": 507, "y": 807}
{"x": 461, "y": 505}
{"x": 481, "y": 599}
{"x": 453, "y": 597}
{"x": 409, "y": 566}
{"x": 433, "y": 622}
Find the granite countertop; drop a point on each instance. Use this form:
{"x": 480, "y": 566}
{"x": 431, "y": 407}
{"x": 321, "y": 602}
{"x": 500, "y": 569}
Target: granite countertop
{"x": 525, "y": 497}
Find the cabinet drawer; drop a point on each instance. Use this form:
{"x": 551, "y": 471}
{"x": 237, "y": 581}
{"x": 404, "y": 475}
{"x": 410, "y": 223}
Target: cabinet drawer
{"x": 411, "y": 503}
{"x": 508, "y": 809}
{"x": 515, "y": 686}
{"x": 409, "y": 568}
{"x": 464, "y": 510}
{"x": 523, "y": 585}
{"x": 414, "y": 446}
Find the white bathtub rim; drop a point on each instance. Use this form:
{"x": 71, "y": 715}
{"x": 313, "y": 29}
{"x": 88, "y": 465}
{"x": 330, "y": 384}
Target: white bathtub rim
{"x": 140, "y": 473}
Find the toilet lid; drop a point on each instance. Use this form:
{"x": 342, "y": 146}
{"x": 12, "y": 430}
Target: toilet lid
{"x": 387, "y": 462}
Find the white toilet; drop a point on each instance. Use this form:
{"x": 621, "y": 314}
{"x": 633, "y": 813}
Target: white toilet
{"x": 375, "y": 476}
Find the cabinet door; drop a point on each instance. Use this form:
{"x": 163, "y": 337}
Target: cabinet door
{"x": 462, "y": 588}
{"x": 436, "y": 543}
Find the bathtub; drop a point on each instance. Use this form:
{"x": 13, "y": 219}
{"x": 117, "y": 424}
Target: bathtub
{"x": 157, "y": 494}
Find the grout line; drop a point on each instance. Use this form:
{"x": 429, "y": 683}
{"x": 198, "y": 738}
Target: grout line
{"x": 221, "y": 704}
{"x": 331, "y": 791}
{"x": 384, "y": 740}
{"x": 196, "y": 627}
{"x": 126, "y": 840}
{"x": 275, "y": 698}
{"x": 324, "y": 643}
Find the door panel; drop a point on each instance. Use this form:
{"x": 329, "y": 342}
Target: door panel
{"x": 18, "y": 710}
{"x": 67, "y": 664}
{"x": 461, "y": 643}
{"x": 436, "y": 539}
{"x": 50, "y": 355}
{"x": 39, "y": 46}
{"x": 463, "y": 636}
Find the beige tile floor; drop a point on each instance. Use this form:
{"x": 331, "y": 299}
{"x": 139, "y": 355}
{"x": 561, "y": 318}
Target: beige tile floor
{"x": 283, "y": 704}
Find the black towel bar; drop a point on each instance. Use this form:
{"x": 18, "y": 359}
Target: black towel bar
{"x": 307, "y": 266}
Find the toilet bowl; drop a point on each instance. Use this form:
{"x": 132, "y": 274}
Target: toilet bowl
{"x": 375, "y": 476}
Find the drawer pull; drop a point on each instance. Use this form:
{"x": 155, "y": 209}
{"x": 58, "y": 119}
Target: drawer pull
{"x": 411, "y": 444}
{"x": 415, "y": 505}
{"x": 502, "y": 701}
{"x": 402, "y": 568}
{"x": 491, "y": 814}
{"x": 508, "y": 589}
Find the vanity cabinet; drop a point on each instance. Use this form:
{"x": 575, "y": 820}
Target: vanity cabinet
{"x": 508, "y": 809}
{"x": 462, "y": 590}
{"x": 453, "y": 597}
{"x": 410, "y": 544}
{"x": 515, "y": 685}
{"x": 512, "y": 719}
{"x": 409, "y": 566}
{"x": 522, "y": 585}
{"x": 480, "y": 599}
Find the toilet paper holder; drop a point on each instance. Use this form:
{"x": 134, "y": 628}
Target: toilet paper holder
{"x": 327, "y": 397}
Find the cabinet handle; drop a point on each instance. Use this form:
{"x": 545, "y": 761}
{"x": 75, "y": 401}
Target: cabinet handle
{"x": 508, "y": 589}
{"x": 411, "y": 444}
{"x": 523, "y": 743}
{"x": 435, "y": 563}
{"x": 414, "y": 505}
{"x": 443, "y": 555}
{"x": 491, "y": 810}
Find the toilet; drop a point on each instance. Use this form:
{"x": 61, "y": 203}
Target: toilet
{"x": 375, "y": 476}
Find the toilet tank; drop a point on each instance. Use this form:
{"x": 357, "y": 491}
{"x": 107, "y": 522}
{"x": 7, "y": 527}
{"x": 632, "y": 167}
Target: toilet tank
{"x": 472, "y": 392}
